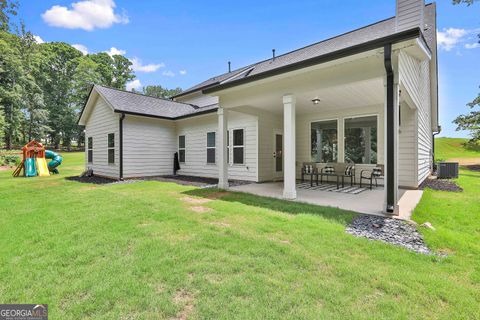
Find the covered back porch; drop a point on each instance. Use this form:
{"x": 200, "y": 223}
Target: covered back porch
{"x": 344, "y": 111}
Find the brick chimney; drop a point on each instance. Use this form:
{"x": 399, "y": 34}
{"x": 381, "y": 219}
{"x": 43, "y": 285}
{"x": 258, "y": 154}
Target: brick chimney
{"x": 409, "y": 14}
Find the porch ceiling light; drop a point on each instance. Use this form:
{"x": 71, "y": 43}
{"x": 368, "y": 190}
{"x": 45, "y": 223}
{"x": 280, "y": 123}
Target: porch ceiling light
{"x": 316, "y": 101}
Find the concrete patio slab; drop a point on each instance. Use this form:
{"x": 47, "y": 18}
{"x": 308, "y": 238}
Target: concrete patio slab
{"x": 367, "y": 202}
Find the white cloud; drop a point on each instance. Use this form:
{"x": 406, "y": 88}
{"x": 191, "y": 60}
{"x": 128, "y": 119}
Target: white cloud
{"x": 168, "y": 73}
{"x": 38, "y": 39}
{"x": 183, "y": 72}
{"x": 137, "y": 66}
{"x": 448, "y": 38}
{"x": 81, "y": 48}
{"x": 135, "y": 84}
{"x": 472, "y": 45}
{"x": 85, "y": 14}
{"x": 114, "y": 51}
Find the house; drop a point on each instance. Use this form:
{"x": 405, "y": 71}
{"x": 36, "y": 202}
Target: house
{"x": 368, "y": 96}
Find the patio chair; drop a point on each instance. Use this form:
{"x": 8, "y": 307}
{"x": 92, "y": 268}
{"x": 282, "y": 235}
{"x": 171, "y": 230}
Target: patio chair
{"x": 309, "y": 169}
{"x": 349, "y": 172}
{"x": 370, "y": 175}
{"x": 327, "y": 171}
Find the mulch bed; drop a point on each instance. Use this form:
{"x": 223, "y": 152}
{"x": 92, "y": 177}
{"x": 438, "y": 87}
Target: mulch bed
{"x": 92, "y": 179}
{"x": 473, "y": 167}
{"x": 183, "y": 180}
{"x": 196, "y": 181}
{"x": 440, "y": 184}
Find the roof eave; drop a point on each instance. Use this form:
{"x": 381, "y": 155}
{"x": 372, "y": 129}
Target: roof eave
{"x": 164, "y": 117}
{"x": 367, "y": 46}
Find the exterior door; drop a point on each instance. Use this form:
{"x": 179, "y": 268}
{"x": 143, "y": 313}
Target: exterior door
{"x": 278, "y": 155}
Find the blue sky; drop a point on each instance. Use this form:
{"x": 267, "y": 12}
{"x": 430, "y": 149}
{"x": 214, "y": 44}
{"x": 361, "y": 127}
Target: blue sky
{"x": 181, "y": 43}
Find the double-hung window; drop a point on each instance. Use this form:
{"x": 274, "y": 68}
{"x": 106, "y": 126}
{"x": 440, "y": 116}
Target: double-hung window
{"x": 210, "y": 147}
{"x": 238, "y": 146}
{"x": 111, "y": 148}
{"x": 181, "y": 149}
{"x": 90, "y": 150}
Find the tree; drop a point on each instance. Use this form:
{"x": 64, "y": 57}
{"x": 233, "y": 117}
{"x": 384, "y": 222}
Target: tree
{"x": 115, "y": 71}
{"x": 32, "y": 94}
{"x": 8, "y": 8}
{"x": 470, "y": 121}
{"x": 58, "y": 65}
{"x": 160, "y": 92}
{"x": 2, "y": 128}
{"x": 11, "y": 89}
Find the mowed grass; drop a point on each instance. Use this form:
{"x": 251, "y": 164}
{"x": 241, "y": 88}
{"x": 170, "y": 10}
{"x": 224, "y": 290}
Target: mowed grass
{"x": 153, "y": 250}
{"x": 454, "y": 148}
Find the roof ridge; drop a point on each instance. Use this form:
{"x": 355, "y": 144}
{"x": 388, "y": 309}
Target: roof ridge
{"x": 144, "y": 95}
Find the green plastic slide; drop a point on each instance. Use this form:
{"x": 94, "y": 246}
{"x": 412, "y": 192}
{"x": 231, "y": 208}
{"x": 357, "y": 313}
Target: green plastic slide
{"x": 30, "y": 168}
{"x": 55, "y": 162}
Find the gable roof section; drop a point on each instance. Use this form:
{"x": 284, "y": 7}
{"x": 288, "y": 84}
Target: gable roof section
{"x": 138, "y": 104}
{"x": 375, "y": 32}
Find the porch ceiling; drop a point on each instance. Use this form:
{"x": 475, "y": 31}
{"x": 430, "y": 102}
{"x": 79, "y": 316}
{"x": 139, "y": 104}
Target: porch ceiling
{"x": 345, "y": 85}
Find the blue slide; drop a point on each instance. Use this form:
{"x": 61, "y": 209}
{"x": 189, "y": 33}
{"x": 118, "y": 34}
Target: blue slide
{"x": 55, "y": 162}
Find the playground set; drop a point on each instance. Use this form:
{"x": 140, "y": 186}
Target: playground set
{"x": 34, "y": 161}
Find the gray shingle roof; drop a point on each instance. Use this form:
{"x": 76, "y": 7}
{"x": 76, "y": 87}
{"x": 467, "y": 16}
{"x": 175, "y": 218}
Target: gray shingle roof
{"x": 366, "y": 34}
{"x": 134, "y": 103}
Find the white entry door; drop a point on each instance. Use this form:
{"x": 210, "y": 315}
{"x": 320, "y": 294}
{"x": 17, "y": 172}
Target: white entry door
{"x": 278, "y": 155}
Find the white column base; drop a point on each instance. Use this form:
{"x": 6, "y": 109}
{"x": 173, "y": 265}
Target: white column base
{"x": 289, "y": 195}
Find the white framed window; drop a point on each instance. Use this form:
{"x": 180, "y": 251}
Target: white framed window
{"x": 211, "y": 147}
{"x": 90, "y": 150}
{"x": 324, "y": 141}
{"x": 111, "y": 148}
{"x": 361, "y": 139}
{"x": 238, "y": 146}
{"x": 181, "y": 149}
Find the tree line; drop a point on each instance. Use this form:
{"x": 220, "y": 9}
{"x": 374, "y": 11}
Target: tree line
{"x": 44, "y": 86}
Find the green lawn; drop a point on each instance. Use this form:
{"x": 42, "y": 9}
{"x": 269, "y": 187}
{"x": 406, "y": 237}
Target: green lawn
{"x": 142, "y": 251}
{"x": 448, "y": 148}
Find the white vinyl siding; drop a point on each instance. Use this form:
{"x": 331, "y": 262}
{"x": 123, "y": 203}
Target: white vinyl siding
{"x": 99, "y": 124}
{"x": 195, "y": 131}
{"x": 148, "y": 146}
{"x": 409, "y": 14}
{"x": 414, "y": 76}
{"x": 406, "y": 153}
{"x": 267, "y": 124}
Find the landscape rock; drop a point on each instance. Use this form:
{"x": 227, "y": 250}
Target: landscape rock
{"x": 392, "y": 231}
{"x": 427, "y": 225}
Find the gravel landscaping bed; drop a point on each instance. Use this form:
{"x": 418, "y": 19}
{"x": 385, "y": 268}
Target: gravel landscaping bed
{"x": 393, "y": 231}
{"x": 440, "y": 184}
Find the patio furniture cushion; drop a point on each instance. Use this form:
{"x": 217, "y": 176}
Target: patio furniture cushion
{"x": 328, "y": 170}
{"x": 349, "y": 170}
{"x": 377, "y": 172}
{"x": 308, "y": 168}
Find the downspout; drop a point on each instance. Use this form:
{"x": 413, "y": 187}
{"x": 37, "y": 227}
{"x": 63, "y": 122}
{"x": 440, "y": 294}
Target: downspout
{"x": 390, "y": 128}
{"x": 433, "y": 142}
{"x": 121, "y": 145}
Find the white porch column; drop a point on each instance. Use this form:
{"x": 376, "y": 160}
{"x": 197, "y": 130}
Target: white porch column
{"x": 289, "y": 180}
{"x": 222, "y": 148}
